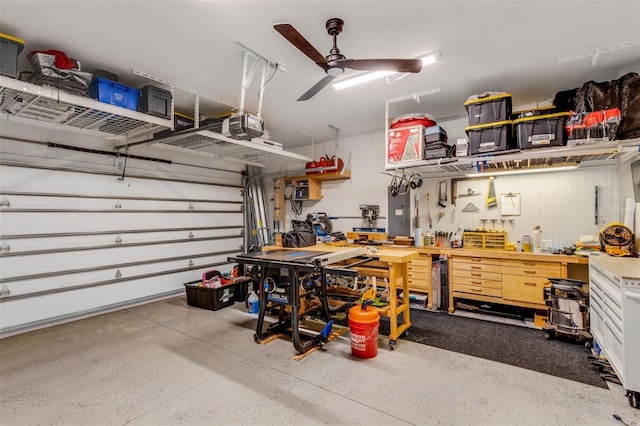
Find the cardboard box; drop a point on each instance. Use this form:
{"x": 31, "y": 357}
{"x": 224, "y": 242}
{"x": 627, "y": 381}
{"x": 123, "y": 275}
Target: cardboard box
{"x": 405, "y": 145}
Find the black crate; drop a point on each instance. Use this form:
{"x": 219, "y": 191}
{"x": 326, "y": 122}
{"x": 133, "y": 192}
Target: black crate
{"x": 155, "y": 101}
{"x": 210, "y": 298}
{"x": 542, "y": 131}
{"x": 435, "y": 134}
{"x": 180, "y": 122}
{"x": 533, "y": 112}
{"x": 243, "y": 289}
{"x": 10, "y": 48}
{"x": 488, "y": 108}
{"x": 492, "y": 137}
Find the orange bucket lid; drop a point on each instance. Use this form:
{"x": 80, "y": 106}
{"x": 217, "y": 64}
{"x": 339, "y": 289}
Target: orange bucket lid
{"x": 366, "y": 315}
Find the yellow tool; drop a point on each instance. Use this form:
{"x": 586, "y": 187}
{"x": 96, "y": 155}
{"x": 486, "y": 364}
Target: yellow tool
{"x": 617, "y": 239}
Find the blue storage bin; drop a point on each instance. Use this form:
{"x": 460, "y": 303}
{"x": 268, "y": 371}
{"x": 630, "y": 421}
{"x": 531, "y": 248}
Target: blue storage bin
{"x": 113, "y": 93}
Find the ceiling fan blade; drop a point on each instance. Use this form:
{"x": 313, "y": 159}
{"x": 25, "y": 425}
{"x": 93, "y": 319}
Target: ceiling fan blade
{"x": 316, "y": 88}
{"x": 397, "y": 65}
{"x": 301, "y": 44}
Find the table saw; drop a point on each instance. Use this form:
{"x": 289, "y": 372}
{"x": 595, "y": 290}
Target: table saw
{"x": 289, "y": 278}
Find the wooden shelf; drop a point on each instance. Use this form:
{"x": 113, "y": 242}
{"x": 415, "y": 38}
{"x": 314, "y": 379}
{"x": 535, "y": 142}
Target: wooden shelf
{"x": 322, "y": 176}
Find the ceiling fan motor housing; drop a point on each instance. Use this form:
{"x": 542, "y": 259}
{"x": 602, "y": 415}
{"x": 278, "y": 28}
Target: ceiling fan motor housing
{"x": 334, "y": 27}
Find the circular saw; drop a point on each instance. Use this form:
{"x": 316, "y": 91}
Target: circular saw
{"x": 321, "y": 224}
{"x": 617, "y": 240}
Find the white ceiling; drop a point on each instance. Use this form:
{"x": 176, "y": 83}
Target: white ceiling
{"x": 499, "y": 46}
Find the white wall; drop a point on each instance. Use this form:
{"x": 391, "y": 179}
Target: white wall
{"x": 561, "y": 203}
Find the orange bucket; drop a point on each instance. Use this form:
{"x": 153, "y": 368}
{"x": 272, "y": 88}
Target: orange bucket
{"x": 364, "y": 322}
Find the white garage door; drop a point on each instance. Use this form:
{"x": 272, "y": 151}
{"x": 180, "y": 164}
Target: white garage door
{"x": 78, "y": 238}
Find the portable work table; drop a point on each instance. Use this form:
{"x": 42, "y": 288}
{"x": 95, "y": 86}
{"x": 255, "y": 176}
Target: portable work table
{"x": 286, "y": 276}
{"x": 392, "y": 264}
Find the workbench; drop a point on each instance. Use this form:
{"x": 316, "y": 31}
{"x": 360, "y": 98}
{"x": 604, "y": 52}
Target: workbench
{"x": 497, "y": 276}
{"x": 389, "y": 263}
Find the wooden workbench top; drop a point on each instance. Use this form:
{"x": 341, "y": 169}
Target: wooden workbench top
{"x": 389, "y": 255}
{"x": 627, "y": 268}
{"x": 498, "y": 254}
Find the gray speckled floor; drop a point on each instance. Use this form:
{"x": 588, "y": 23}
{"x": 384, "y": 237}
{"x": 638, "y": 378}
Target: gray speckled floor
{"x": 168, "y": 363}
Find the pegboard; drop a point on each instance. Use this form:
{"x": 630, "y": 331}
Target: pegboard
{"x": 561, "y": 203}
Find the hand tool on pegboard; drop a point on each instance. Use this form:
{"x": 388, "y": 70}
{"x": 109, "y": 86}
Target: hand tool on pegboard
{"x": 596, "y": 206}
{"x": 442, "y": 194}
{"x": 429, "y": 212}
{"x": 416, "y": 219}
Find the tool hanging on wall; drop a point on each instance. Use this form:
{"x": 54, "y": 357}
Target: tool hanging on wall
{"x": 470, "y": 193}
{"x": 429, "y": 212}
{"x": 416, "y": 219}
{"x": 471, "y": 208}
{"x": 491, "y": 194}
{"x": 596, "y": 206}
{"x": 442, "y": 194}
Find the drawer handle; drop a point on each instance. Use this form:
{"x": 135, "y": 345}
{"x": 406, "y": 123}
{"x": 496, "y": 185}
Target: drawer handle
{"x": 476, "y": 267}
{"x": 533, "y": 284}
{"x": 476, "y": 275}
{"x": 530, "y": 272}
{"x": 476, "y": 282}
{"x": 528, "y": 263}
{"x": 632, "y": 295}
{"x": 476, "y": 289}
{"x": 476, "y": 259}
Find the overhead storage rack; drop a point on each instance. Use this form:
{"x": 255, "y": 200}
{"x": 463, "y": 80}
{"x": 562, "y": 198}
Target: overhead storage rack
{"x": 590, "y": 154}
{"x": 256, "y": 152}
{"x": 45, "y": 106}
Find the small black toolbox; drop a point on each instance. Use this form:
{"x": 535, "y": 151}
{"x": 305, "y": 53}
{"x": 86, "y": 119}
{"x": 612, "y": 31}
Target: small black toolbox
{"x": 155, "y": 101}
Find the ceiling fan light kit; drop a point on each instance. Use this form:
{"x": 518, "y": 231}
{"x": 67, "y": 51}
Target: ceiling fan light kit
{"x": 335, "y": 63}
{"x": 429, "y": 59}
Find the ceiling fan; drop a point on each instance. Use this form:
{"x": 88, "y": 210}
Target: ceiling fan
{"x": 335, "y": 63}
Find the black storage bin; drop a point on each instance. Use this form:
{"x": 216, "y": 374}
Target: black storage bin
{"x": 10, "y": 48}
{"x": 534, "y": 112}
{"x": 488, "y": 108}
{"x": 210, "y": 298}
{"x": 541, "y": 131}
{"x": 435, "y": 134}
{"x": 242, "y": 290}
{"x": 180, "y": 122}
{"x": 155, "y": 101}
{"x": 492, "y": 137}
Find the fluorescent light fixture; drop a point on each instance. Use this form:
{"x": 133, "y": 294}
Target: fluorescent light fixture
{"x": 362, "y": 78}
{"x": 523, "y": 171}
{"x": 429, "y": 59}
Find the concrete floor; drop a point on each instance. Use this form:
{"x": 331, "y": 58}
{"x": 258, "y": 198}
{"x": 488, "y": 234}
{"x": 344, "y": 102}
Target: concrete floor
{"x": 168, "y": 363}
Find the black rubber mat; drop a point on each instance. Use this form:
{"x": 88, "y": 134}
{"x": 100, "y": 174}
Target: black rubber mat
{"x": 509, "y": 344}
